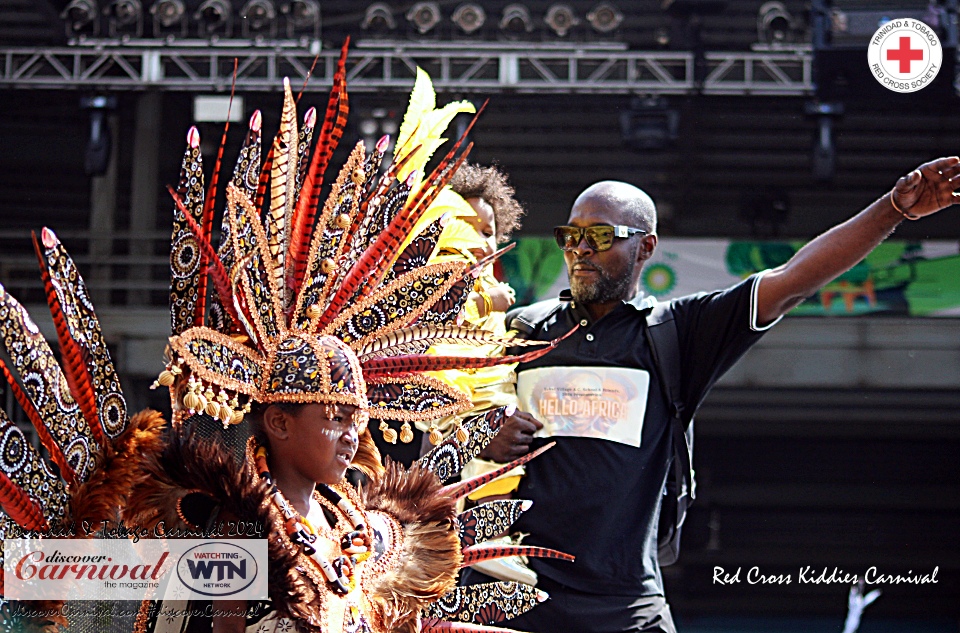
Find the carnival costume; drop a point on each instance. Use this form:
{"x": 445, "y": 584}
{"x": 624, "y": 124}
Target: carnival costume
{"x": 332, "y": 307}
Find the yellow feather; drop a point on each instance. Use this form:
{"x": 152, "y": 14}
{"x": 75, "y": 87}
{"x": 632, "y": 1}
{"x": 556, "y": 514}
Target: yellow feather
{"x": 422, "y": 100}
{"x": 446, "y": 202}
{"x": 460, "y": 236}
{"x": 438, "y": 120}
{"x": 423, "y": 125}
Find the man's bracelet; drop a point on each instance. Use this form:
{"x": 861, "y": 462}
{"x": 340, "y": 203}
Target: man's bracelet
{"x": 893, "y": 203}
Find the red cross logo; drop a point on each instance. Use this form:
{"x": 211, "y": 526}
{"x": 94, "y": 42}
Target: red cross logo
{"x": 905, "y": 54}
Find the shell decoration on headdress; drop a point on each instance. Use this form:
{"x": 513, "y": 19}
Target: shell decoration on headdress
{"x": 303, "y": 291}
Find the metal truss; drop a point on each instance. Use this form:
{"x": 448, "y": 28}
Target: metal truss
{"x": 468, "y": 69}
{"x": 759, "y": 73}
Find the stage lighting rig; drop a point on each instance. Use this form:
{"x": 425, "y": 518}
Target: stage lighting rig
{"x": 774, "y": 23}
{"x": 605, "y": 17}
{"x": 378, "y": 18}
{"x": 824, "y": 150}
{"x": 561, "y": 18}
{"x": 662, "y": 37}
{"x": 258, "y": 18}
{"x": 469, "y": 17}
{"x": 81, "y": 18}
{"x": 169, "y": 18}
{"x": 303, "y": 19}
{"x": 424, "y": 16}
{"x": 516, "y": 20}
{"x": 215, "y": 18}
{"x": 125, "y": 18}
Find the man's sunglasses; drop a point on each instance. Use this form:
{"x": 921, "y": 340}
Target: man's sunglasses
{"x": 599, "y": 237}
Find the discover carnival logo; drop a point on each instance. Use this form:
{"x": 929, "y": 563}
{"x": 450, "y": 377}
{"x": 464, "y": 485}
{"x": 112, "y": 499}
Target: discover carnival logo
{"x": 121, "y": 569}
{"x": 905, "y": 55}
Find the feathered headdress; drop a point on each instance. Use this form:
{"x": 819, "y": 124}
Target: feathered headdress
{"x": 78, "y": 410}
{"x": 305, "y": 294}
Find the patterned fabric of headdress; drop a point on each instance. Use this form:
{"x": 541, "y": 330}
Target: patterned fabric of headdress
{"x": 356, "y": 268}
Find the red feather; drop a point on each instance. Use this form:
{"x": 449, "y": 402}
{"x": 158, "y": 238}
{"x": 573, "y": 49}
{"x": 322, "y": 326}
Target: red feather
{"x": 463, "y": 488}
{"x": 306, "y": 79}
{"x": 414, "y": 210}
{"x": 334, "y": 123}
{"x": 382, "y": 188}
{"x": 56, "y": 454}
{"x": 221, "y": 280}
{"x": 264, "y": 180}
{"x": 488, "y": 551}
{"x": 480, "y": 265}
{"x": 200, "y": 311}
{"x": 385, "y": 182}
{"x": 74, "y": 361}
{"x": 378, "y": 257}
{"x": 416, "y": 363}
{"x": 20, "y": 507}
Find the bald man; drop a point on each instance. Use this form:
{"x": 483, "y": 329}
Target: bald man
{"x": 598, "y": 493}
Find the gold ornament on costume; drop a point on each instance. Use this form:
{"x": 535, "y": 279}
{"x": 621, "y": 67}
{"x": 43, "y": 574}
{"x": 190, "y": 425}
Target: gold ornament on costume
{"x": 389, "y": 434}
{"x": 406, "y": 433}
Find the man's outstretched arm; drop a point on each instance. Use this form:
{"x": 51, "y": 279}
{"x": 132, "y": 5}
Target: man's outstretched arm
{"x": 922, "y": 192}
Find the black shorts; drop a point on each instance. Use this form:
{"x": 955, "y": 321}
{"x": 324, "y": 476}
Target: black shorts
{"x": 572, "y": 611}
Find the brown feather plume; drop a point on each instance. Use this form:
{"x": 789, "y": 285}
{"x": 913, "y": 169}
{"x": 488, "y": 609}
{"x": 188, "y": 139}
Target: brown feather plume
{"x": 367, "y": 459}
{"x": 425, "y": 568}
{"x": 190, "y": 464}
{"x": 118, "y": 471}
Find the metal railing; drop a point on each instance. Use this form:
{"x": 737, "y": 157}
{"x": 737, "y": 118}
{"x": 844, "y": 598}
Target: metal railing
{"x": 483, "y": 69}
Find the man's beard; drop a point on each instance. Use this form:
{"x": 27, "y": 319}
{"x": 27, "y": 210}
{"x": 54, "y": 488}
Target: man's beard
{"x": 604, "y": 289}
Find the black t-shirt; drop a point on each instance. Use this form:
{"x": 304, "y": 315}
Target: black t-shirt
{"x": 598, "y": 499}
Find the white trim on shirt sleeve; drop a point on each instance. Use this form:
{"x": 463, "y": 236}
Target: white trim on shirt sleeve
{"x": 753, "y": 305}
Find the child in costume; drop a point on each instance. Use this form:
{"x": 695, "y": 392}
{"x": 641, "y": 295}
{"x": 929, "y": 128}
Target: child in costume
{"x": 316, "y": 323}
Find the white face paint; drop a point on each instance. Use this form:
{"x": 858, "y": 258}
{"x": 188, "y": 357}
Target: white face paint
{"x": 331, "y": 434}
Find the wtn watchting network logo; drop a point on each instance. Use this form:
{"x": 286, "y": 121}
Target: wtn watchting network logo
{"x": 905, "y": 55}
{"x": 217, "y": 568}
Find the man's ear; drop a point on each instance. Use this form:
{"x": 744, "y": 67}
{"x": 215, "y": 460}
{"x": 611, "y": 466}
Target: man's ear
{"x": 275, "y": 422}
{"x": 648, "y": 244}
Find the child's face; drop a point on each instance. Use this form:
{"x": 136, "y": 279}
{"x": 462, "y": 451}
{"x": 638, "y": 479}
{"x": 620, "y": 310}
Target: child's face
{"x": 485, "y": 223}
{"x": 322, "y": 440}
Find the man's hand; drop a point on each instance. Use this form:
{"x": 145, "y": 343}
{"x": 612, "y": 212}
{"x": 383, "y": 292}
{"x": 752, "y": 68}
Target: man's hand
{"x": 928, "y": 188}
{"x": 502, "y": 297}
{"x": 513, "y": 440}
